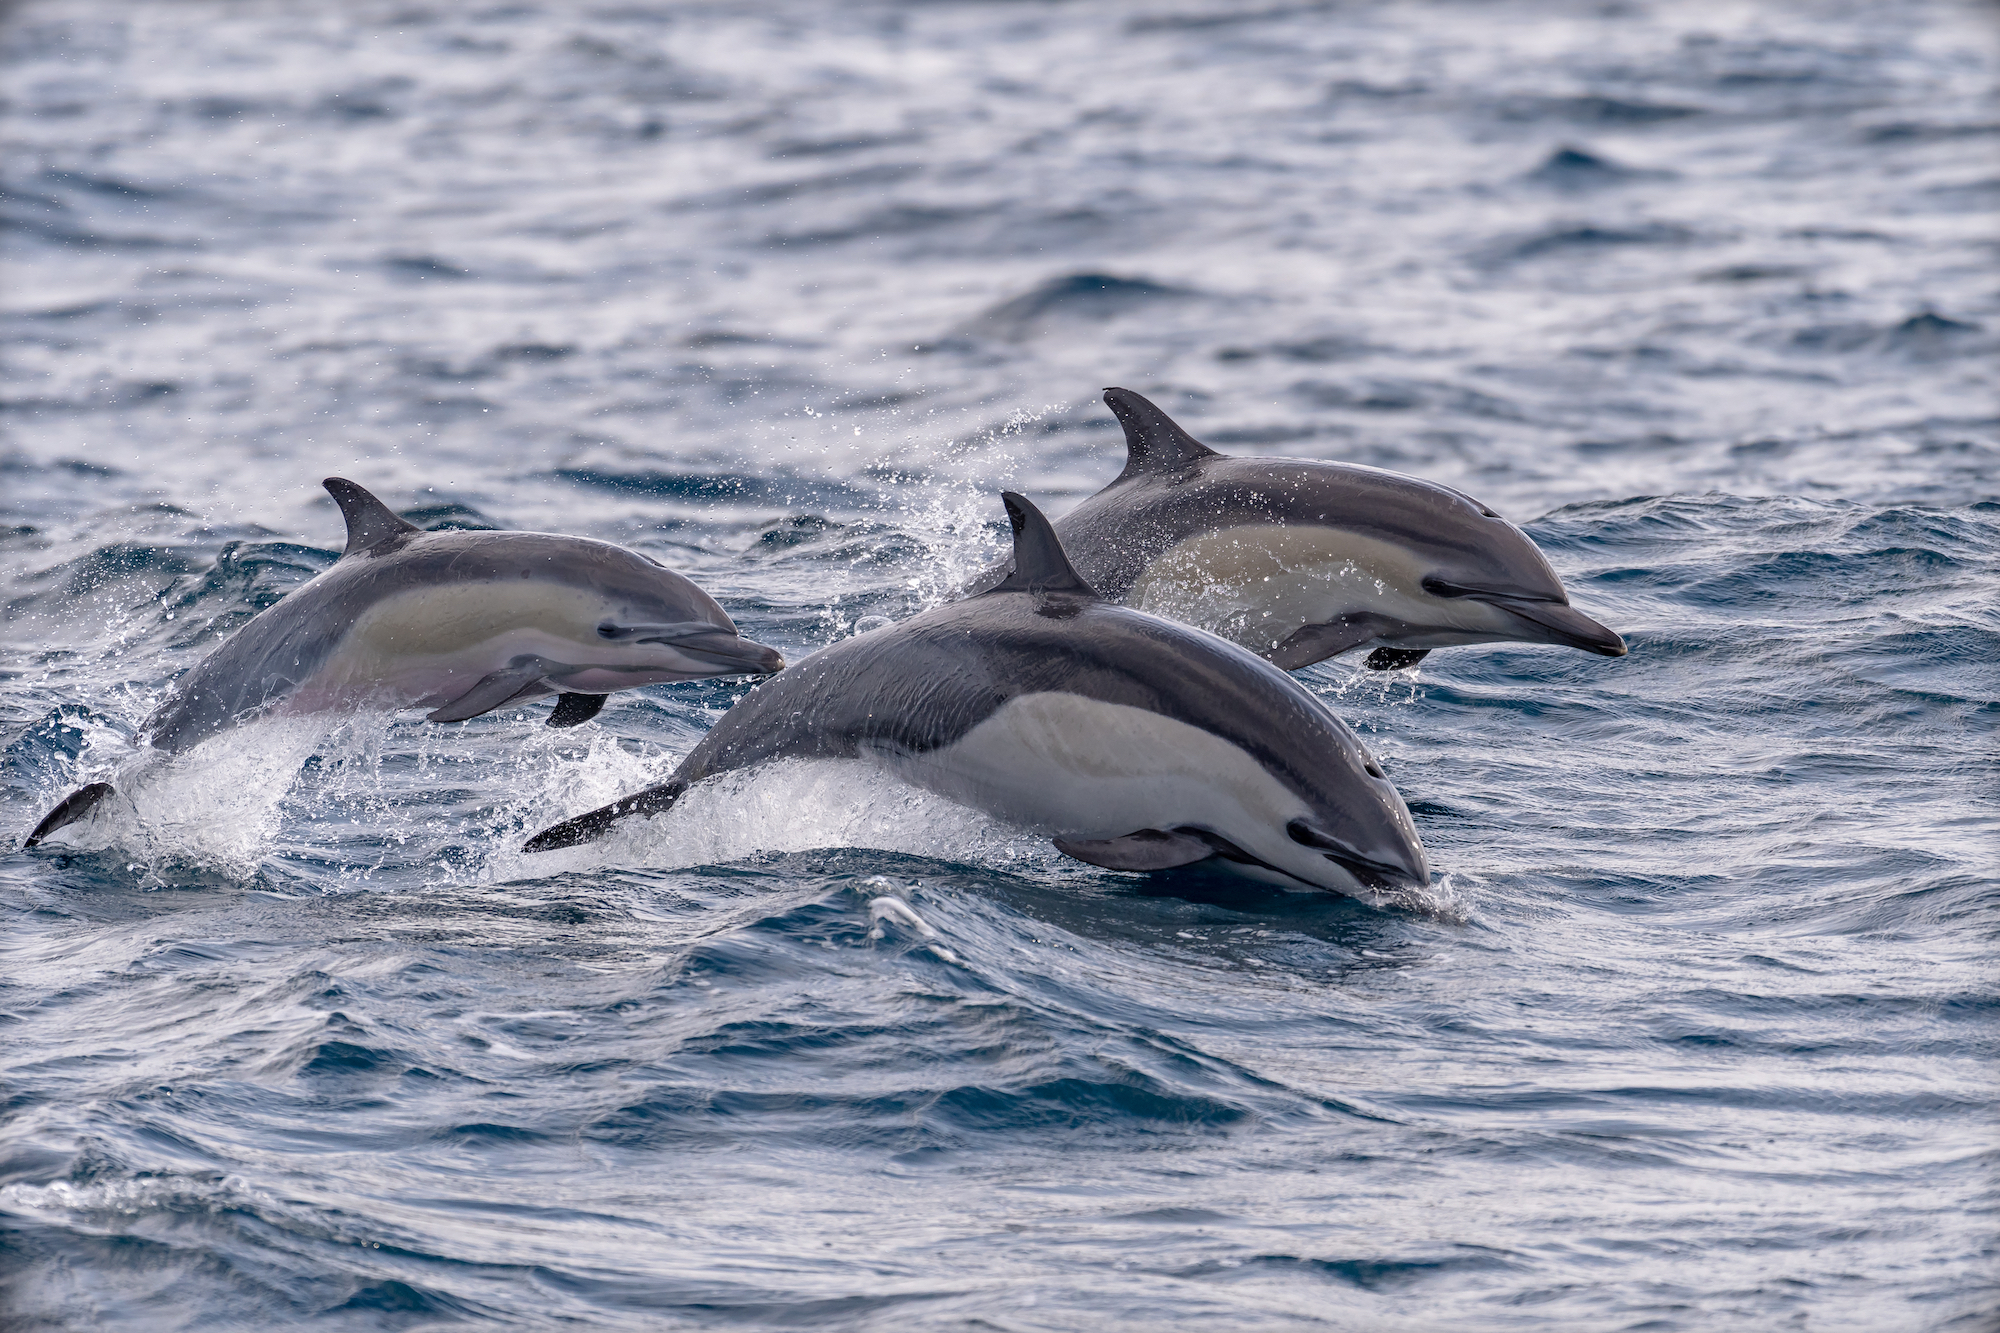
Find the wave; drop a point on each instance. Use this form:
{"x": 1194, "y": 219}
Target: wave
{"x": 1069, "y": 300}
{"x": 718, "y": 487}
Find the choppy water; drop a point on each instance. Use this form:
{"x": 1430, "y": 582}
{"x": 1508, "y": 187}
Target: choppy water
{"x": 1702, "y": 1031}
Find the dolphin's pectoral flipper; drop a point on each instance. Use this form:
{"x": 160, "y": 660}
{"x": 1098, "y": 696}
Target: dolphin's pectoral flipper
{"x": 1148, "y": 849}
{"x": 495, "y": 691}
{"x": 573, "y": 710}
{"x": 74, "y": 807}
{"x": 1394, "y": 659}
{"x": 1315, "y": 643}
{"x": 586, "y": 828}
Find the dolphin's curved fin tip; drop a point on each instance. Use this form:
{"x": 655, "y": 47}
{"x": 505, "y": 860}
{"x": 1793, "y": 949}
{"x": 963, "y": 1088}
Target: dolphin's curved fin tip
{"x": 1154, "y": 441}
{"x": 74, "y": 807}
{"x": 1039, "y": 562}
{"x": 369, "y": 522}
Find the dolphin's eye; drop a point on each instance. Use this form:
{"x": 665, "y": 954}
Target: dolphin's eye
{"x": 607, "y": 630}
{"x": 1373, "y": 769}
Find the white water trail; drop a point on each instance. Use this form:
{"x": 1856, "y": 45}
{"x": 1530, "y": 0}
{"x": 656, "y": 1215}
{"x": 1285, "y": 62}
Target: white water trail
{"x": 216, "y": 806}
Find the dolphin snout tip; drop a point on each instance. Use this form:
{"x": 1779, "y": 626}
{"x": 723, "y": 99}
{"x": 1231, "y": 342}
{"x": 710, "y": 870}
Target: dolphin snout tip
{"x": 1560, "y": 623}
{"x": 734, "y": 655}
{"x": 1390, "y": 878}
{"x": 1395, "y": 865}
{"x": 754, "y": 659}
{"x": 1592, "y": 637}
{"x": 1408, "y": 873}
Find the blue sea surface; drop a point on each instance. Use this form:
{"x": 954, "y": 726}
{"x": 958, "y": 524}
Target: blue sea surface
{"x": 1697, "y": 1028}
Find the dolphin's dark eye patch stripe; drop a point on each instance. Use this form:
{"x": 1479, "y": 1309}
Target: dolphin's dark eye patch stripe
{"x": 1438, "y": 587}
{"x": 668, "y": 633}
{"x": 1305, "y": 835}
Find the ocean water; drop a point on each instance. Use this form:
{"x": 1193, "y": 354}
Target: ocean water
{"x": 1697, "y": 1027}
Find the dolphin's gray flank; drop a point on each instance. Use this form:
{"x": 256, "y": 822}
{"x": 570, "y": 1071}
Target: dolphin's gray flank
{"x": 1280, "y": 554}
{"x": 905, "y": 696}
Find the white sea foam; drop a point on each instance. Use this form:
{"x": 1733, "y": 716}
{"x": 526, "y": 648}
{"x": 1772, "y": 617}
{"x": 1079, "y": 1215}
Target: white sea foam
{"x": 215, "y": 806}
{"x": 788, "y": 806}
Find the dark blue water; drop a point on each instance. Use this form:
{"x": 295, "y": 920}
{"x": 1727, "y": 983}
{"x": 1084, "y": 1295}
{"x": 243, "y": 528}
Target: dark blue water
{"x": 1698, "y": 1027}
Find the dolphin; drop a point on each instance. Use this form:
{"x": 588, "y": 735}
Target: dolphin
{"x": 1300, "y": 561}
{"x": 461, "y": 623}
{"x": 1135, "y": 742}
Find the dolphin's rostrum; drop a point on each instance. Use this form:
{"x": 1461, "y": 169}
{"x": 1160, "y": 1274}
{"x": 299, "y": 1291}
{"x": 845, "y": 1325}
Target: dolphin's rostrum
{"x": 1134, "y": 742}
{"x": 458, "y": 622}
{"x": 1300, "y": 561}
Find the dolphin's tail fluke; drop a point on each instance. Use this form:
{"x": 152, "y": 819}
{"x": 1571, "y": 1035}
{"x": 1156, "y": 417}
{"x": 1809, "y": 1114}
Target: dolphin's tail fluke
{"x": 74, "y": 807}
{"x": 590, "y": 827}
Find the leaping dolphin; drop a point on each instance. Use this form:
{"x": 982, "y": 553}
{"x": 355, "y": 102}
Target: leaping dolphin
{"x": 1136, "y": 742}
{"x": 458, "y": 622}
{"x": 1300, "y": 561}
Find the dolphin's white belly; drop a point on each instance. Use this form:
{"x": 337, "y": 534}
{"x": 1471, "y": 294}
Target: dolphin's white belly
{"x": 1257, "y": 583}
{"x": 1069, "y": 766}
{"x": 428, "y": 646}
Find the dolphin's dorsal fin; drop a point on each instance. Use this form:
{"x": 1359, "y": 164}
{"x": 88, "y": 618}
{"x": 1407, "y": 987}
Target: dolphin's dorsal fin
{"x": 1039, "y": 562}
{"x": 369, "y": 521}
{"x": 1153, "y": 442}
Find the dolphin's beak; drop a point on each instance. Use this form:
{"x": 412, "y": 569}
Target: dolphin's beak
{"x": 1560, "y": 623}
{"x": 732, "y": 653}
{"x": 1382, "y": 876}
{"x": 1399, "y": 869}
